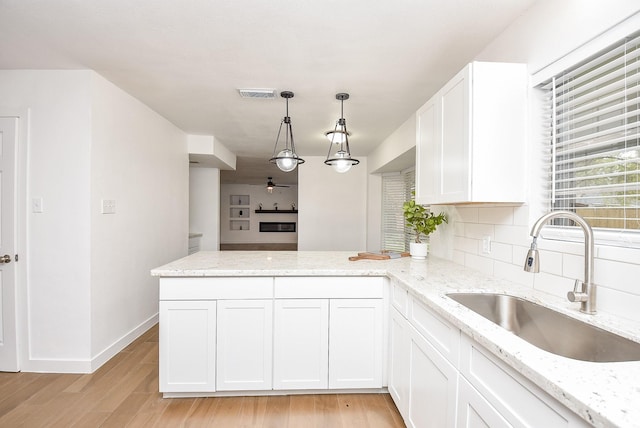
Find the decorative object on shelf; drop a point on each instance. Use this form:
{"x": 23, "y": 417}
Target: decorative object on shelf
{"x": 293, "y": 206}
{"x": 271, "y": 185}
{"x": 260, "y": 206}
{"x": 286, "y": 159}
{"x": 422, "y": 222}
{"x": 275, "y": 206}
{"x": 341, "y": 160}
{"x": 239, "y": 200}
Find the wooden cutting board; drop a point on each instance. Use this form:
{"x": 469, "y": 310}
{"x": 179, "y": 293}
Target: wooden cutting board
{"x": 382, "y": 255}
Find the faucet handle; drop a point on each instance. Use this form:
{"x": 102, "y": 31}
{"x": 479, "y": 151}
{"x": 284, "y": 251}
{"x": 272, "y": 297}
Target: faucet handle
{"x": 578, "y": 294}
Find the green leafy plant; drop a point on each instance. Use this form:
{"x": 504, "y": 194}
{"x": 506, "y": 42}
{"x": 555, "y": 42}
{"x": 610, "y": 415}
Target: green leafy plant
{"x": 421, "y": 220}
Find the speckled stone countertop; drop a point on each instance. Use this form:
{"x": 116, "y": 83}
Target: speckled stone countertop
{"x": 604, "y": 394}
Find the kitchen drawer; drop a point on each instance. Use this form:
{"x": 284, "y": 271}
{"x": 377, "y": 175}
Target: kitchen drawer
{"x": 329, "y": 287}
{"x": 216, "y": 288}
{"x": 442, "y": 335}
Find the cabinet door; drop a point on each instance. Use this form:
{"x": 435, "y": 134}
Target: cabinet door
{"x": 399, "y": 361}
{"x": 455, "y": 169}
{"x": 355, "y": 343}
{"x": 432, "y": 386}
{"x": 428, "y": 152}
{"x": 474, "y": 411}
{"x": 244, "y": 345}
{"x": 301, "y": 344}
{"x": 187, "y": 346}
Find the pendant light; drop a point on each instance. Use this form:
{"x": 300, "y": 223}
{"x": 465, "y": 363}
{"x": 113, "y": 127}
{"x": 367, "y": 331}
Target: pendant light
{"x": 341, "y": 160}
{"x": 286, "y": 159}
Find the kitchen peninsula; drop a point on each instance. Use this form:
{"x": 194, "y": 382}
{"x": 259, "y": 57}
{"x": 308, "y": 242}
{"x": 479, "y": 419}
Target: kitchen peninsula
{"x": 247, "y": 323}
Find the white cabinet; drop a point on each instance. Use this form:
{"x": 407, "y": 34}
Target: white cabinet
{"x": 355, "y": 343}
{"x": 187, "y": 346}
{"x": 301, "y": 344}
{"x": 470, "y": 137}
{"x": 433, "y": 384}
{"x": 399, "y": 345}
{"x": 474, "y": 411}
{"x": 244, "y": 351}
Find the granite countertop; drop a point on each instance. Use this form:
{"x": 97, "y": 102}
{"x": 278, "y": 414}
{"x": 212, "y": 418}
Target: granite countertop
{"x": 604, "y": 394}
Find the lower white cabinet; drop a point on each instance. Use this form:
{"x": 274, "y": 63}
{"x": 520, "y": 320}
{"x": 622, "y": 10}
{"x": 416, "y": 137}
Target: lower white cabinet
{"x": 244, "y": 351}
{"x": 399, "y": 346}
{"x": 301, "y": 344}
{"x": 440, "y": 378}
{"x": 474, "y": 411}
{"x": 187, "y": 346}
{"x": 355, "y": 343}
{"x": 433, "y": 384}
{"x": 244, "y": 334}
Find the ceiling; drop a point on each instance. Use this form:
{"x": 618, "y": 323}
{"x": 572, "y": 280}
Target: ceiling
{"x": 187, "y": 59}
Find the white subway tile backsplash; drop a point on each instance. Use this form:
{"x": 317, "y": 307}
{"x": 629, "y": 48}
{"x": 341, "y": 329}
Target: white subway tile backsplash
{"x": 478, "y": 263}
{"x": 624, "y": 277}
{"x": 617, "y": 269}
{"x": 514, "y": 273}
{"x": 515, "y": 235}
{"x": 618, "y": 303}
{"x": 496, "y": 215}
{"x": 500, "y": 251}
{"x": 552, "y": 284}
{"x": 478, "y": 231}
{"x": 468, "y": 214}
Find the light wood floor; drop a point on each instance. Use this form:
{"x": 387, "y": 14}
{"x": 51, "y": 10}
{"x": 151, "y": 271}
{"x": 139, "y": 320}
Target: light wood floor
{"x": 124, "y": 393}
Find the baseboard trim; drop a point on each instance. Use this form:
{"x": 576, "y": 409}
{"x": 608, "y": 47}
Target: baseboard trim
{"x": 122, "y": 343}
{"x": 89, "y": 366}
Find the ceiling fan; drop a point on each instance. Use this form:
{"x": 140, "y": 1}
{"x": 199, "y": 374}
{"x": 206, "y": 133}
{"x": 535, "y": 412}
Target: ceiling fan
{"x": 271, "y": 185}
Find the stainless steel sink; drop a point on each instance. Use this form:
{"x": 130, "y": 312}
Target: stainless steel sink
{"x": 550, "y": 330}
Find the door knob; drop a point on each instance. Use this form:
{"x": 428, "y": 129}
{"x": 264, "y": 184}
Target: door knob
{"x": 5, "y": 259}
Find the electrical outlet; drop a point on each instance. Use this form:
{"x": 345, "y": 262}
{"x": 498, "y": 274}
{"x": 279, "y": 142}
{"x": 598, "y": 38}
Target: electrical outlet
{"x": 108, "y": 206}
{"x": 486, "y": 245}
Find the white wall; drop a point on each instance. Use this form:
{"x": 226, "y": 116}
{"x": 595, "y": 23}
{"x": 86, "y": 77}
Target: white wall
{"x": 333, "y": 207}
{"x": 139, "y": 159}
{"x": 58, "y": 240}
{"x": 546, "y": 32}
{"x": 283, "y": 196}
{"x": 88, "y": 286}
{"x": 204, "y": 206}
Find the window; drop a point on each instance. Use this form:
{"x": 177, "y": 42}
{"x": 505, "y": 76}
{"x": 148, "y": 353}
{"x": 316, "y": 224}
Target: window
{"x": 396, "y": 189}
{"x": 593, "y": 144}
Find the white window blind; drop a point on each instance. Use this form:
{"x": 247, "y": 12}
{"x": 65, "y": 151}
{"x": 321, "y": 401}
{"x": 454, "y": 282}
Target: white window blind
{"x": 593, "y": 131}
{"x": 396, "y": 189}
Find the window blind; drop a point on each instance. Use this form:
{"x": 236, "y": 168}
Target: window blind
{"x": 396, "y": 189}
{"x": 593, "y": 137}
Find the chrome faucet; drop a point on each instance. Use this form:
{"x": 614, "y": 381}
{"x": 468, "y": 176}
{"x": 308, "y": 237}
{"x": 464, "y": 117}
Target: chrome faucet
{"x": 583, "y": 292}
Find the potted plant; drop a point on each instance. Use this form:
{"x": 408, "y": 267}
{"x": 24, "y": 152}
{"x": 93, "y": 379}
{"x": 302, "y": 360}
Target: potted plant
{"x": 422, "y": 222}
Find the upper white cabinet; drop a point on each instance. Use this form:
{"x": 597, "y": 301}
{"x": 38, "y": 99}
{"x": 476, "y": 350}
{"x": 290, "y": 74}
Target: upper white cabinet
{"x": 470, "y": 137}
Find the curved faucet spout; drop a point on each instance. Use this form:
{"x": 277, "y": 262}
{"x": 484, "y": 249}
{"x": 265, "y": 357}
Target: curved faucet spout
{"x": 586, "y": 294}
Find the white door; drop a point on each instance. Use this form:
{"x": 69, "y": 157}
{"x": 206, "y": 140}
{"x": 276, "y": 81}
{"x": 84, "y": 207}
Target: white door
{"x": 8, "y": 348}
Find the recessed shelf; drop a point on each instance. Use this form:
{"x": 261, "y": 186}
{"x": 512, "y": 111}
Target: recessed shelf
{"x": 239, "y": 200}
{"x": 276, "y": 211}
{"x": 239, "y": 224}
{"x": 239, "y": 212}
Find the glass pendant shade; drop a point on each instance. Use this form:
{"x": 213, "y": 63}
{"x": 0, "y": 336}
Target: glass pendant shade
{"x": 286, "y": 159}
{"x": 341, "y": 161}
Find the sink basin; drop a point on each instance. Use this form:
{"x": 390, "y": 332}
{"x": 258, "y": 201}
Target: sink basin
{"x": 550, "y": 330}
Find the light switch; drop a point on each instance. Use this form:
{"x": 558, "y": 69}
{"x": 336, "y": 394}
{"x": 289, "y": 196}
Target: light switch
{"x": 36, "y": 205}
{"x": 108, "y": 206}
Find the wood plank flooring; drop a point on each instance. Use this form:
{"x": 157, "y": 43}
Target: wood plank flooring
{"x": 124, "y": 393}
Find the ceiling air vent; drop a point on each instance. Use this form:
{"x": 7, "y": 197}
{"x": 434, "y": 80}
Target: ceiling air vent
{"x": 258, "y": 93}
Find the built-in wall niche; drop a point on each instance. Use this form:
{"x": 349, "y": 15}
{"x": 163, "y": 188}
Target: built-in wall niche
{"x": 239, "y": 225}
{"x": 239, "y": 212}
{"x": 239, "y": 200}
